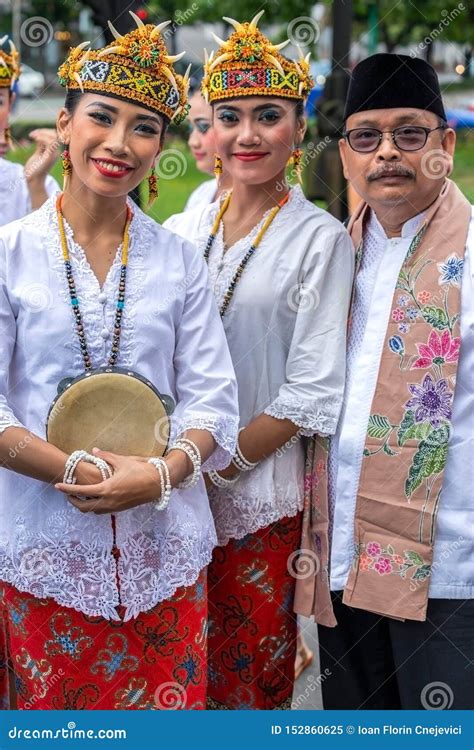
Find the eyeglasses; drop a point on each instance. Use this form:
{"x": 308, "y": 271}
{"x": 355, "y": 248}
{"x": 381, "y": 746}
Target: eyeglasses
{"x": 200, "y": 126}
{"x": 406, "y": 138}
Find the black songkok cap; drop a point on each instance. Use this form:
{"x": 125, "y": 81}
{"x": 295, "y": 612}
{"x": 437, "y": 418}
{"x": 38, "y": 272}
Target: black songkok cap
{"x": 387, "y": 81}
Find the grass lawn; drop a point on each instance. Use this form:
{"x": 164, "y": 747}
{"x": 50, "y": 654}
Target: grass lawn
{"x": 174, "y": 191}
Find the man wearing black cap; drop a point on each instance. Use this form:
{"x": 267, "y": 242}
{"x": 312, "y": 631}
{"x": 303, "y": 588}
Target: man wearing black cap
{"x": 401, "y": 468}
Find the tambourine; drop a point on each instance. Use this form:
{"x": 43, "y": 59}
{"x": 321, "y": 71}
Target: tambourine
{"x": 113, "y": 409}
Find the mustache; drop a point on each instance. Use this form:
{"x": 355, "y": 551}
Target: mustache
{"x": 395, "y": 169}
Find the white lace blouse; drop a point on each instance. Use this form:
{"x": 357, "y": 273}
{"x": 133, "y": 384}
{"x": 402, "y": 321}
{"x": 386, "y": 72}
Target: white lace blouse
{"x": 286, "y": 329}
{"x": 172, "y": 335}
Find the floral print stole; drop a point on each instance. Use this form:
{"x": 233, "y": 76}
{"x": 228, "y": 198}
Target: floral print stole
{"x": 410, "y": 421}
{"x": 407, "y": 433}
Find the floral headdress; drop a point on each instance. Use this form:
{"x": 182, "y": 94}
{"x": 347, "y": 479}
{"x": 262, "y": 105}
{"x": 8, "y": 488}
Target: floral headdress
{"x": 136, "y": 67}
{"x": 9, "y": 64}
{"x": 249, "y": 64}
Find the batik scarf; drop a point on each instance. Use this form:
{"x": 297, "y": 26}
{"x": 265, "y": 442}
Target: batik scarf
{"x": 407, "y": 433}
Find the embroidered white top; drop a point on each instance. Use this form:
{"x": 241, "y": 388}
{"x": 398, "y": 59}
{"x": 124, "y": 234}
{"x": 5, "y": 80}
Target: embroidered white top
{"x": 15, "y": 200}
{"x": 452, "y": 574}
{"x": 286, "y": 329}
{"x": 202, "y": 196}
{"x": 172, "y": 335}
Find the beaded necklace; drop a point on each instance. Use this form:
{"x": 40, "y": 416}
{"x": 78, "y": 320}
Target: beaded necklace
{"x": 73, "y": 293}
{"x": 240, "y": 269}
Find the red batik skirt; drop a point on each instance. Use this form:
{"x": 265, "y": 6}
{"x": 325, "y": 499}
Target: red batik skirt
{"x": 4, "y": 688}
{"x": 64, "y": 659}
{"x": 252, "y": 626}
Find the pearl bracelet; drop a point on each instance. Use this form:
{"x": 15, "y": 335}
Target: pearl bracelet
{"x": 71, "y": 465}
{"x": 219, "y": 481}
{"x": 76, "y": 457}
{"x": 194, "y": 454}
{"x": 239, "y": 460}
{"x": 162, "y": 468}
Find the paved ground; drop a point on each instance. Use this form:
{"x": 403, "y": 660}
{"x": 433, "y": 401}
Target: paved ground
{"x": 307, "y": 692}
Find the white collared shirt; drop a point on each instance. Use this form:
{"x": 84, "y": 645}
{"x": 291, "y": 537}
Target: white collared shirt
{"x": 452, "y": 574}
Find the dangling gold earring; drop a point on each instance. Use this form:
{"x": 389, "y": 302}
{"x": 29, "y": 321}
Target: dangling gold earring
{"x": 295, "y": 160}
{"x": 67, "y": 167}
{"x": 8, "y": 138}
{"x": 217, "y": 165}
{"x": 152, "y": 187}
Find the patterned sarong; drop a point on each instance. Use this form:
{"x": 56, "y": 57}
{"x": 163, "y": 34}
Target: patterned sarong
{"x": 64, "y": 659}
{"x": 252, "y": 626}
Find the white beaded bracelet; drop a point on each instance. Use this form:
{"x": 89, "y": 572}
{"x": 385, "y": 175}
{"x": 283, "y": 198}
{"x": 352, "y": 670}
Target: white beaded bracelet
{"x": 193, "y": 445}
{"x": 76, "y": 457}
{"x": 194, "y": 454}
{"x": 70, "y": 466}
{"x": 239, "y": 460}
{"x": 162, "y": 468}
{"x": 219, "y": 481}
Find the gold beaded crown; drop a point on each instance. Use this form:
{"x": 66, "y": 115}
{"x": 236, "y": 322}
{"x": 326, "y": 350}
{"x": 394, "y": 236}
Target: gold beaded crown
{"x": 136, "y": 67}
{"x": 9, "y": 64}
{"x": 249, "y": 64}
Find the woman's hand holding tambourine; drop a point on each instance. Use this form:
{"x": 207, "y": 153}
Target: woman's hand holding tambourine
{"x": 134, "y": 482}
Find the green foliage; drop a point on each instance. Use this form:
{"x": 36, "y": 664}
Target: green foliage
{"x": 276, "y": 11}
{"x": 436, "y": 317}
{"x": 61, "y": 13}
{"x": 403, "y": 23}
{"x": 413, "y": 557}
{"x": 378, "y": 427}
{"x": 429, "y": 458}
{"x": 409, "y": 430}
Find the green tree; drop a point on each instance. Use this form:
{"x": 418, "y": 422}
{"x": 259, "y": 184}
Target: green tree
{"x": 406, "y": 23}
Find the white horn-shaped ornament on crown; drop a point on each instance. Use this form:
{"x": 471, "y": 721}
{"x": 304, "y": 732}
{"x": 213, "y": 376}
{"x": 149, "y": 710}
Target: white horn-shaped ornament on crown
{"x": 159, "y": 28}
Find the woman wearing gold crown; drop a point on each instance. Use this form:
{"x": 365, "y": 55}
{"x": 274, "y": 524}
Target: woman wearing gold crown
{"x": 22, "y": 188}
{"x": 107, "y": 319}
{"x": 281, "y": 270}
